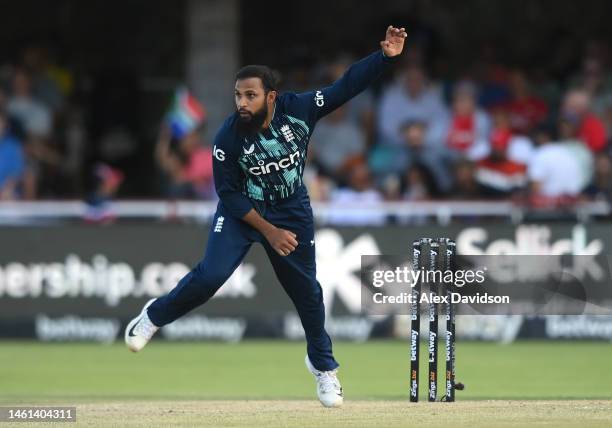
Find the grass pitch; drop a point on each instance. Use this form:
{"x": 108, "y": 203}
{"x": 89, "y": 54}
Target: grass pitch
{"x": 258, "y": 383}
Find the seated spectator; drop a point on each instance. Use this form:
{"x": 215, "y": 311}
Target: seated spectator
{"x": 360, "y": 109}
{"x": 467, "y": 130}
{"x": 601, "y": 185}
{"x": 560, "y": 169}
{"x": 319, "y": 186}
{"x": 187, "y": 164}
{"x": 391, "y": 188}
{"x": 388, "y": 160}
{"x": 419, "y": 184}
{"x": 107, "y": 181}
{"x": 12, "y": 163}
{"x": 591, "y": 130}
{"x": 569, "y": 136}
{"x": 358, "y": 200}
{"x": 607, "y": 119}
{"x": 33, "y": 115}
{"x": 498, "y": 175}
{"x": 519, "y": 147}
{"x": 490, "y": 75}
{"x": 45, "y": 175}
{"x": 430, "y": 157}
{"x": 525, "y": 109}
{"x": 47, "y": 78}
{"x": 335, "y": 141}
{"x": 465, "y": 185}
{"x": 596, "y": 82}
{"x": 410, "y": 98}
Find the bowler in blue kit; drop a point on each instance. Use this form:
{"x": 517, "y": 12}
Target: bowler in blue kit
{"x": 259, "y": 155}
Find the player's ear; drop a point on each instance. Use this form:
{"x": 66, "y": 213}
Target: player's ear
{"x": 272, "y": 96}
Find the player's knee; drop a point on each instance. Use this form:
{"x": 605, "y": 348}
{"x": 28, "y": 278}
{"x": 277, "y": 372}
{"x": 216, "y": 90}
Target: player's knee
{"x": 210, "y": 277}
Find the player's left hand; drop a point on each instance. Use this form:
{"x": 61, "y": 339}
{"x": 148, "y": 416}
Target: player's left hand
{"x": 394, "y": 41}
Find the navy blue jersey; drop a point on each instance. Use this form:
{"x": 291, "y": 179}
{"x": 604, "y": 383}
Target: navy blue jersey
{"x": 268, "y": 166}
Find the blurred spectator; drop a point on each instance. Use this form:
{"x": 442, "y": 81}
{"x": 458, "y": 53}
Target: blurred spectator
{"x": 526, "y": 110}
{"x": 560, "y": 169}
{"x": 33, "y": 115}
{"x": 490, "y": 75}
{"x": 498, "y": 175}
{"x": 391, "y": 187}
{"x": 595, "y": 82}
{"x": 187, "y": 164}
{"x": 336, "y": 140}
{"x": 467, "y": 130}
{"x": 465, "y": 185}
{"x": 46, "y": 77}
{"x": 75, "y": 138}
{"x": 387, "y": 160}
{"x": 568, "y": 135}
{"x": 106, "y": 184}
{"x": 360, "y": 109}
{"x": 601, "y": 185}
{"x": 607, "y": 120}
{"x": 358, "y": 201}
{"x": 519, "y": 147}
{"x": 426, "y": 156}
{"x": 12, "y": 162}
{"x": 319, "y": 186}
{"x": 410, "y": 98}
{"x": 577, "y": 108}
{"x": 419, "y": 184}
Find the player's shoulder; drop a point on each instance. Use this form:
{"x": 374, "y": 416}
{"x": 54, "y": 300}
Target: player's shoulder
{"x": 296, "y": 104}
{"x": 228, "y": 132}
{"x": 284, "y": 101}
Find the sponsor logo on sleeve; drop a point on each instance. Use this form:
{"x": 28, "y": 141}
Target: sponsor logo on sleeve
{"x": 218, "y": 154}
{"x": 319, "y": 100}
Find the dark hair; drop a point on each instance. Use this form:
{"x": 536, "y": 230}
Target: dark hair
{"x": 264, "y": 73}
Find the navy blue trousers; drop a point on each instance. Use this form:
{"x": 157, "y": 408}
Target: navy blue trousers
{"x": 229, "y": 242}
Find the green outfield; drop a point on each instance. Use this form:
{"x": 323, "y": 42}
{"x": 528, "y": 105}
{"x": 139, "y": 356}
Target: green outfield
{"x": 221, "y": 384}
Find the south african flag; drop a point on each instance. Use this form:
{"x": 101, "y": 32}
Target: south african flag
{"x": 186, "y": 113}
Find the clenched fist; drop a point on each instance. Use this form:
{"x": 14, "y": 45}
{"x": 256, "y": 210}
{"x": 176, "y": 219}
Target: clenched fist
{"x": 283, "y": 241}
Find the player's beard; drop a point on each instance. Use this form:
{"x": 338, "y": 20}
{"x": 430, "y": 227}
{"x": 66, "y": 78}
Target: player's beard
{"x": 253, "y": 122}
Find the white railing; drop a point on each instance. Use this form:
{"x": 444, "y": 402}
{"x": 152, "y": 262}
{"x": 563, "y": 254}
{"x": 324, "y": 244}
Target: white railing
{"x": 442, "y": 211}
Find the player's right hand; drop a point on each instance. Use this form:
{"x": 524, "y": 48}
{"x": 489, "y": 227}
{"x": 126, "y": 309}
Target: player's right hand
{"x": 283, "y": 241}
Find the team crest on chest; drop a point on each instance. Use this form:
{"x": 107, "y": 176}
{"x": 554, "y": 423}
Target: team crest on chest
{"x": 287, "y": 133}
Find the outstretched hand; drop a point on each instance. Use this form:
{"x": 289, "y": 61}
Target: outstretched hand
{"x": 394, "y": 41}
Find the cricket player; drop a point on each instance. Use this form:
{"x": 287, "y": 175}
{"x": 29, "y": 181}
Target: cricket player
{"x": 259, "y": 155}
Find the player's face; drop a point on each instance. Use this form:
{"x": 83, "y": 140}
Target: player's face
{"x": 250, "y": 98}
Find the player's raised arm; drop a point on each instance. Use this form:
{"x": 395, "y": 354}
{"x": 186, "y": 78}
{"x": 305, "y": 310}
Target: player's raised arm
{"x": 357, "y": 78}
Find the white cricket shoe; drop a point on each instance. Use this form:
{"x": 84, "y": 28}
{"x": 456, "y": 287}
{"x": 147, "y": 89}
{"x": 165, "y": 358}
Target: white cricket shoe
{"x": 328, "y": 386}
{"x": 140, "y": 330}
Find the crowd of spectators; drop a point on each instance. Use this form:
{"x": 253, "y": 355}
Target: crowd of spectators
{"x": 41, "y": 135}
{"x": 492, "y": 131}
